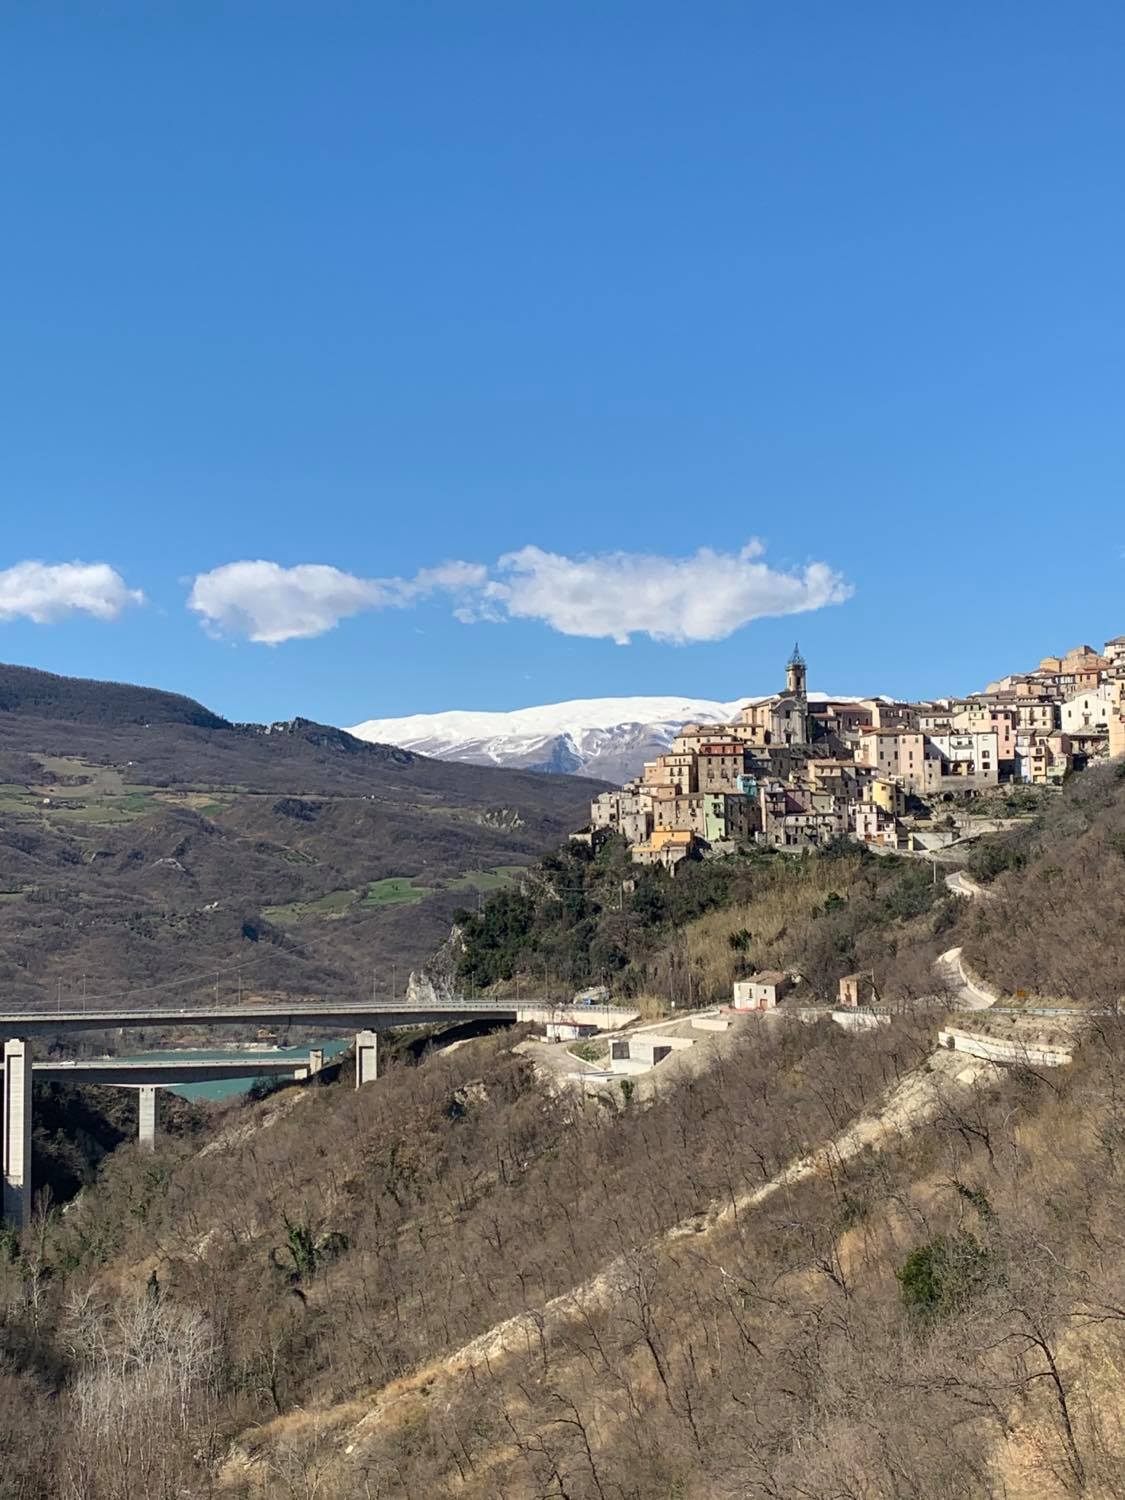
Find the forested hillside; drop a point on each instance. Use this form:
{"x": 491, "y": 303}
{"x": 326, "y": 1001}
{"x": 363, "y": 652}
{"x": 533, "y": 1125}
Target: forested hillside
{"x": 1053, "y": 926}
{"x": 44, "y": 695}
{"x": 315, "y": 1302}
{"x": 580, "y": 918}
{"x": 1050, "y": 926}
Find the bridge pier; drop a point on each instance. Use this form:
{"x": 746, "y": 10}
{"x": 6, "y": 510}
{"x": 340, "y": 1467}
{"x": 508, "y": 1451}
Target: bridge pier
{"x": 147, "y": 1116}
{"x": 366, "y": 1057}
{"x": 316, "y": 1060}
{"x": 17, "y": 1134}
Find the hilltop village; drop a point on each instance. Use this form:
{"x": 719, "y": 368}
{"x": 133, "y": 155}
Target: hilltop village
{"x": 795, "y": 772}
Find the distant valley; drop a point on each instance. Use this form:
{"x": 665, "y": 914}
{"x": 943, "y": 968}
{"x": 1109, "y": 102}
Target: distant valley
{"x": 146, "y": 841}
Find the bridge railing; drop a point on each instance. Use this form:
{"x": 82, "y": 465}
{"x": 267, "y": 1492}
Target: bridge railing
{"x": 316, "y": 1009}
{"x": 489, "y": 1002}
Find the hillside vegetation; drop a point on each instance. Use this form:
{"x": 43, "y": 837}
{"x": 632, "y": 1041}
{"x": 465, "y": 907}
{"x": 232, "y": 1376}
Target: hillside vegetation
{"x": 144, "y": 841}
{"x": 581, "y": 918}
{"x": 822, "y": 1265}
{"x": 1053, "y": 925}
{"x": 452, "y": 1283}
{"x": 43, "y": 695}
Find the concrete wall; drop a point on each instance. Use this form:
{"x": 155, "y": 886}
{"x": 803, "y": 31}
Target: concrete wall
{"x": 997, "y": 1050}
{"x": 17, "y": 1134}
{"x": 850, "y": 1020}
{"x": 602, "y": 1017}
{"x": 621, "y": 1065}
{"x": 147, "y": 1113}
{"x": 981, "y": 987}
{"x": 366, "y": 1057}
{"x": 639, "y": 1054}
{"x": 652, "y": 1039}
{"x": 858, "y": 1019}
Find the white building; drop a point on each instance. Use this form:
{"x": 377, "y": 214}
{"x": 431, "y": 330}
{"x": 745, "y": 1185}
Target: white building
{"x": 761, "y": 991}
{"x": 1088, "y": 713}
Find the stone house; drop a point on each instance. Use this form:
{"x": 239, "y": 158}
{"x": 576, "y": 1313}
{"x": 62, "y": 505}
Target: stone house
{"x": 761, "y": 991}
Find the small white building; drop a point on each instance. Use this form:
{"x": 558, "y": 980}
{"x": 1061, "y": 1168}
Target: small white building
{"x": 1088, "y": 713}
{"x": 568, "y": 1031}
{"x": 641, "y": 1053}
{"x": 761, "y": 991}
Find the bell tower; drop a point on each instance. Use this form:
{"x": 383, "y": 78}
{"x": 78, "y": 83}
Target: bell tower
{"x": 796, "y": 674}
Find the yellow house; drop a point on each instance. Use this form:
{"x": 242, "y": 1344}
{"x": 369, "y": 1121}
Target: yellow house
{"x": 664, "y": 846}
{"x": 1117, "y": 720}
{"x": 889, "y": 795}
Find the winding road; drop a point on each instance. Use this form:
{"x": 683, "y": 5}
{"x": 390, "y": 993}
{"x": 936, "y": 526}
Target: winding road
{"x": 962, "y": 884}
{"x": 969, "y": 994}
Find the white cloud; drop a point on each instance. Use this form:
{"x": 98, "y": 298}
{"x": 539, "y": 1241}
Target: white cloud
{"x": 268, "y": 603}
{"x": 613, "y": 596}
{"x": 621, "y": 594}
{"x": 45, "y": 592}
{"x": 456, "y": 577}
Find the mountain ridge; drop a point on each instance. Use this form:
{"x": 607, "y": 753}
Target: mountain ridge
{"x": 610, "y": 738}
{"x": 145, "y": 839}
{"x": 87, "y": 700}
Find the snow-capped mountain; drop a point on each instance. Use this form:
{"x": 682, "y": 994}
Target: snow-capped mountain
{"x": 610, "y": 738}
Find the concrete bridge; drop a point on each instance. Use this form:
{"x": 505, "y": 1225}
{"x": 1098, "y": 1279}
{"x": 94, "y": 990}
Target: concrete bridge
{"x": 372, "y": 1015}
{"x": 166, "y": 1072}
{"x": 147, "y": 1075}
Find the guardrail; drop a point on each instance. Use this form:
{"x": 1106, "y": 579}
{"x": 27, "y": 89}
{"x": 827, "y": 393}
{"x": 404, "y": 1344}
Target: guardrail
{"x": 992, "y": 1010}
{"x": 312, "y": 1010}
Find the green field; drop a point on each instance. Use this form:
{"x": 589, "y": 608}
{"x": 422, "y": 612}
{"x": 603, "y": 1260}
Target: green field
{"x": 97, "y": 795}
{"x": 85, "y": 794}
{"x": 334, "y": 904}
{"x": 393, "y": 890}
{"x": 488, "y": 880}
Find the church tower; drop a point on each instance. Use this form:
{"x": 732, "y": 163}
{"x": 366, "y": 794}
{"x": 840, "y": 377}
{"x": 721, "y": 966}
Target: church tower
{"x": 796, "y": 674}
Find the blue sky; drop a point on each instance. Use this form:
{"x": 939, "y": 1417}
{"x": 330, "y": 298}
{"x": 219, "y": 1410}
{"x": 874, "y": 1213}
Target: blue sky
{"x": 551, "y": 326}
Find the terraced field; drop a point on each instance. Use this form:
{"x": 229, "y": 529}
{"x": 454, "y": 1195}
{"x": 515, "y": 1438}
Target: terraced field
{"x": 393, "y": 890}
{"x": 79, "y": 792}
{"x": 138, "y": 850}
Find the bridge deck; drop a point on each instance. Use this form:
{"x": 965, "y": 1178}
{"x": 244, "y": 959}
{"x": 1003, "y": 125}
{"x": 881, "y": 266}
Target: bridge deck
{"x": 165, "y": 1070}
{"x": 375, "y": 1015}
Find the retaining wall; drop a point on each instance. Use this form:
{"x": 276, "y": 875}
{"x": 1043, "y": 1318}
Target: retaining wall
{"x": 993, "y": 1049}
